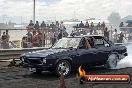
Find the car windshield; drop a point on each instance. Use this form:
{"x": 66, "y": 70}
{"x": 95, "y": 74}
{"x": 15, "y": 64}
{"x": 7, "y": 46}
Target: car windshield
{"x": 67, "y": 43}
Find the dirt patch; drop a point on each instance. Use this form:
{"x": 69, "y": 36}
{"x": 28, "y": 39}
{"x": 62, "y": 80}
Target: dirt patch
{"x": 18, "y": 77}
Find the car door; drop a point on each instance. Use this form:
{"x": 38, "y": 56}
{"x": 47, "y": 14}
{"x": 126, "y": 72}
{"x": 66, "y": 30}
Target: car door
{"x": 86, "y": 56}
{"x": 103, "y": 49}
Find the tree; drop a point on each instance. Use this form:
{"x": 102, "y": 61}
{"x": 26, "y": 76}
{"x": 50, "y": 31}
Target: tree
{"x": 114, "y": 19}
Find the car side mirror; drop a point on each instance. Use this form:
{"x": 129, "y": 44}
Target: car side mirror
{"x": 107, "y": 45}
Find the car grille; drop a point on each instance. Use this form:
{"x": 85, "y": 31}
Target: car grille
{"x": 35, "y": 61}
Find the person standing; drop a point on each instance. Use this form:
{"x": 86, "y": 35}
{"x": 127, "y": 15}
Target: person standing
{"x": 106, "y": 33}
{"x": 36, "y": 26}
{"x": 103, "y": 27}
{"x": 87, "y": 27}
{"x": 29, "y": 36}
{"x": 43, "y": 25}
{"x": 115, "y": 36}
{"x": 39, "y": 38}
{"x": 121, "y": 36}
{"x": 4, "y": 41}
{"x": 91, "y": 28}
{"x": 7, "y": 36}
{"x": 35, "y": 40}
{"x": 31, "y": 25}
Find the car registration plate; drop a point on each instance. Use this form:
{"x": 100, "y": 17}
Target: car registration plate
{"x": 32, "y": 69}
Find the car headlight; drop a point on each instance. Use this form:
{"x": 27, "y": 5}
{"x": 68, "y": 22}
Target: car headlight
{"x": 22, "y": 59}
{"x": 44, "y": 60}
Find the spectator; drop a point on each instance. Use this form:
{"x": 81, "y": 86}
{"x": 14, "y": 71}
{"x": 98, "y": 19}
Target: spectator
{"x": 106, "y": 33}
{"x": 24, "y": 42}
{"x": 29, "y": 36}
{"x": 40, "y": 38}
{"x": 60, "y": 35}
{"x": 121, "y": 36}
{"x": 35, "y": 40}
{"x": 62, "y": 27}
{"x": 121, "y": 24}
{"x": 81, "y": 25}
{"x": 98, "y": 26}
{"x": 57, "y": 23}
{"x": 87, "y": 25}
{"x": 52, "y": 26}
{"x": 103, "y": 25}
{"x": 77, "y": 33}
{"x": 4, "y": 43}
{"x": 52, "y": 37}
{"x": 92, "y": 28}
{"x": 72, "y": 33}
{"x": 36, "y": 26}
{"x": 7, "y": 36}
{"x": 43, "y": 25}
{"x": 115, "y": 36}
{"x": 31, "y": 25}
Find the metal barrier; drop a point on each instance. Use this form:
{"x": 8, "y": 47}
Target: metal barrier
{"x": 7, "y": 54}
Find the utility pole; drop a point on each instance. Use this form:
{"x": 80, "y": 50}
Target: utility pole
{"x": 34, "y": 11}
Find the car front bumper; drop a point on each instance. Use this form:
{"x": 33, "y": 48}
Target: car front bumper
{"x": 38, "y": 66}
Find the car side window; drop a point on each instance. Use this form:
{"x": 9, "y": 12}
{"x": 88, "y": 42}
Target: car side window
{"x": 85, "y": 43}
{"x": 100, "y": 42}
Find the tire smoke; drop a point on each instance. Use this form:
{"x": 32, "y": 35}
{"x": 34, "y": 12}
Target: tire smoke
{"x": 127, "y": 61}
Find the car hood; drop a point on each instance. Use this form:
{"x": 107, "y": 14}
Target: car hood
{"x": 43, "y": 53}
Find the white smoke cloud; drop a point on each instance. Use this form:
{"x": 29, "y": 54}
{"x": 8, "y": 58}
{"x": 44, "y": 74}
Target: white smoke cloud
{"x": 127, "y": 61}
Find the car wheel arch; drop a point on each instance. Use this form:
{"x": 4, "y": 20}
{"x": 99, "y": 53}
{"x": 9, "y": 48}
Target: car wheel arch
{"x": 67, "y": 59}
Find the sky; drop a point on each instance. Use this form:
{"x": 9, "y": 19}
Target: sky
{"x": 22, "y": 10}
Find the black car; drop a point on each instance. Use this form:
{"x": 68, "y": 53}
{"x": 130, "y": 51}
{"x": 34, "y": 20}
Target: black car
{"x": 69, "y": 53}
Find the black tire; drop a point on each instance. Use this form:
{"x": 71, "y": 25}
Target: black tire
{"x": 112, "y": 61}
{"x": 63, "y": 66}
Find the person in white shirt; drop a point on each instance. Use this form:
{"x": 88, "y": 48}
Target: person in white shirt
{"x": 115, "y": 36}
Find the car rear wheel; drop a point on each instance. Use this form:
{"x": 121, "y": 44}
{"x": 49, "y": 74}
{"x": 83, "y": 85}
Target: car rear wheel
{"x": 63, "y": 66}
{"x": 112, "y": 61}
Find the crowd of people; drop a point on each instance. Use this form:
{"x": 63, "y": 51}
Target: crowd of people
{"x": 43, "y": 34}
{"x": 100, "y": 28}
{"x": 37, "y": 35}
{"x": 88, "y": 28}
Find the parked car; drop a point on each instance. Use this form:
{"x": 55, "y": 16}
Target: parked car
{"x": 69, "y": 53}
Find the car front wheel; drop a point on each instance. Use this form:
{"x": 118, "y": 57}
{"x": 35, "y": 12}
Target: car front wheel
{"x": 112, "y": 61}
{"x": 63, "y": 67}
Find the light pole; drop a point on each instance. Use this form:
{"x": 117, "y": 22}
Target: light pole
{"x": 34, "y": 11}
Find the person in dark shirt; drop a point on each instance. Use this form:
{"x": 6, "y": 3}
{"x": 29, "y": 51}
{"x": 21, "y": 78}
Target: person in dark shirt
{"x": 121, "y": 24}
{"x": 4, "y": 41}
{"x": 40, "y": 38}
{"x": 121, "y": 36}
{"x": 24, "y": 42}
{"x": 103, "y": 25}
{"x": 43, "y": 25}
{"x": 72, "y": 33}
{"x": 36, "y": 26}
{"x": 81, "y": 25}
{"x": 31, "y": 25}
{"x": 91, "y": 28}
{"x": 106, "y": 33}
{"x": 99, "y": 25}
{"x": 29, "y": 36}
{"x": 52, "y": 26}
